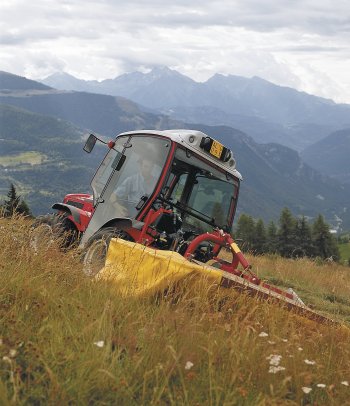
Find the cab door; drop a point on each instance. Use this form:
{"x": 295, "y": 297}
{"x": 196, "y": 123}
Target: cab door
{"x": 127, "y": 179}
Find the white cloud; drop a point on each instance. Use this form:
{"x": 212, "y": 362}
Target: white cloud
{"x": 303, "y": 44}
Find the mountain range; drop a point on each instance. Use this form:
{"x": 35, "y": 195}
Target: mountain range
{"x": 52, "y": 123}
{"x": 265, "y": 111}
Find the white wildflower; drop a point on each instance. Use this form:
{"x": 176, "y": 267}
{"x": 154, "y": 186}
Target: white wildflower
{"x": 300, "y": 349}
{"x": 346, "y": 383}
{"x": 321, "y": 385}
{"x": 189, "y": 365}
{"x": 306, "y": 389}
{"x": 284, "y": 340}
{"x": 274, "y": 370}
{"x": 263, "y": 334}
{"x": 275, "y": 366}
{"x": 99, "y": 344}
{"x": 307, "y": 361}
{"x": 274, "y": 359}
{"x": 12, "y": 353}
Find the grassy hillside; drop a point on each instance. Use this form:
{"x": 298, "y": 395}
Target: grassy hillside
{"x": 43, "y": 157}
{"x": 67, "y": 339}
{"x": 23, "y": 158}
{"x": 106, "y": 115}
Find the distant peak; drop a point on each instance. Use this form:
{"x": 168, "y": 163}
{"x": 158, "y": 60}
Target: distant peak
{"x": 59, "y": 75}
{"x": 161, "y": 68}
{"x": 164, "y": 71}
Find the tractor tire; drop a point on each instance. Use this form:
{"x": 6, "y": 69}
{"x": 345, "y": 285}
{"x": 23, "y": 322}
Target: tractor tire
{"x": 94, "y": 254}
{"x": 53, "y": 229}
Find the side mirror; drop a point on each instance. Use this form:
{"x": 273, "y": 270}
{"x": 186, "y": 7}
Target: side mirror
{"x": 90, "y": 143}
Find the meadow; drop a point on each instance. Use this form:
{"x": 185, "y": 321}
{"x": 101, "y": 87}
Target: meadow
{"x": 30, "y": 157}
{"x": 69, "y": 339}
{"x": 344, "y": 249}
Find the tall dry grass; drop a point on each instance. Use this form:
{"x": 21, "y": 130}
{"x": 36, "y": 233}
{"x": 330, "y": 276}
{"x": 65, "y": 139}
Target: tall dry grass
{"x": 67, "y": 339}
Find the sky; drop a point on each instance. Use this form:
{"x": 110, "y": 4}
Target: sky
{"x": 304, "y": 44}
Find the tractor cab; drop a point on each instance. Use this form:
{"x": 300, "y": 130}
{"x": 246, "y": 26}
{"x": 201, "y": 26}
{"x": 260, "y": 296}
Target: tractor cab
{"x": 163, "y": 189}
{"x": 160, "y": 187}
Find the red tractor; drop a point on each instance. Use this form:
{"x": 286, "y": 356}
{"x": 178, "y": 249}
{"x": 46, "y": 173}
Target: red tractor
{"x": 171, "y": 190}
{"x": 161, "y": 188}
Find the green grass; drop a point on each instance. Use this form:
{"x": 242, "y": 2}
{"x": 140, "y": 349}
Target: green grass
{"x": 30, "y": 157}
{"x": 199, "y": 347}
{"x": 344, "y": 250}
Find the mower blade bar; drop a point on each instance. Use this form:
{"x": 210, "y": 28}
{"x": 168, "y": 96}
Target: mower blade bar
{"x": 232, "y": 281}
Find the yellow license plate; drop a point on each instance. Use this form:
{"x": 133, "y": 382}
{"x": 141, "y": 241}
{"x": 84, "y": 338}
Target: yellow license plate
{"x": 216, "y": 149}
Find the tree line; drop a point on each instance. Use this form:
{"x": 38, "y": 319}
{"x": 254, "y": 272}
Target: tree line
{"x": 291, "y": 237}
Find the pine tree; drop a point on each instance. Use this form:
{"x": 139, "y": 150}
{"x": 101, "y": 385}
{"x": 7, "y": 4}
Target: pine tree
{"x": 245, "y": 231}
{"x": 14, "y": 204}
{"x": 272, "y": 238}
{"x": 303, "y": 240}
{"x": 9, "y": 206}
{"x": 286, "y": 234}
{"x": 259, "y": 239}
{"x": 325, "y": 244}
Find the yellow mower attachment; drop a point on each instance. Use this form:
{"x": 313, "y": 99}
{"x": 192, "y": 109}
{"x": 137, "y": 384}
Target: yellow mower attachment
{"x": 137, "y": 270}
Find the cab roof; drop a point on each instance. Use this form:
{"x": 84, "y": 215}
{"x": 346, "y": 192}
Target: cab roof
{"x": 191, "y": 139}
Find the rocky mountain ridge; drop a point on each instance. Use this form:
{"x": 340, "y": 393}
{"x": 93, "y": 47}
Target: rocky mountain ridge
{"x": 267, "y": 112}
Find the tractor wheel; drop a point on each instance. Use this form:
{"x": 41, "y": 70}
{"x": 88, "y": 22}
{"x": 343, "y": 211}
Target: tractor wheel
{"x": 94, "y": 255}
{"x": 53, "y": 229}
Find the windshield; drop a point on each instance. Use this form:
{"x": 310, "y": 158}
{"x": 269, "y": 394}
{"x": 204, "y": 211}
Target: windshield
{"x": 134, "y": 184}
{"x": 206, "y": 195}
